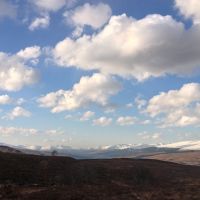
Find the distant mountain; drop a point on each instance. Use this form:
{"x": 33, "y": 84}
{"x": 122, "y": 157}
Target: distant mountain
{"x": 114, "y": 151}
{"x": 111, "y": 151}
{"x": 126, "y": 146}
{"x": 184, "y": 145}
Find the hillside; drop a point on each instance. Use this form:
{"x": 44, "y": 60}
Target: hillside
{"x": 185, "y": 157}
{"x": 39, "y": 177}
{"x": 7, "y": 149}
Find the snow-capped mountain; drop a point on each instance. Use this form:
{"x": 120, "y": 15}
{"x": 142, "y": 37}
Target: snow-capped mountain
{"x": 126, "y": 146}
{"x": 111, "y": 151}
{"x": 184, "y": 145}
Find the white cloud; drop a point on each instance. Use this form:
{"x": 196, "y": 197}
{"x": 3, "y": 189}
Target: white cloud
{"x": 129, "y": 105}
{"x": 179, "y": 107}
{"x": 126, "y": 121}
{"x": 150, "y": 47}
{"x": 96, "y": 89}
{"x": 20, "y": 101}
{"x": 40, "y": 22}
{"x": 51, "y": 5}
{"x": 54, "y": 132}
{"x": 140, "y": 102}
{"x": 44, "y": 9}
{"x": 102, "y": 121}
{"x": 17, "y": 112}
{"x": 29, "y": 53}
{"x": 77, "y": 32}
{"x": 172, "y": 99}
{"x": 5, "y": 99}
{"x": 94, "y": 16}
{"x": 87, "y": 116}
{"x": 8, "y": 131}
{"x": 145, "y": 122}
{"x": 68, "y": 116}
{"x": 189, "y": 9}
{"x": 14, "y": 73}
{"x": 149, "y": 136}
{"x": 7, "y": 9}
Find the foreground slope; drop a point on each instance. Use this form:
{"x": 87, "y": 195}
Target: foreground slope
{"x": 40, "y": 177}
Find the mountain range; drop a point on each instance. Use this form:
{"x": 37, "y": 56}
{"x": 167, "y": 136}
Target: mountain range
{"x": 107, "y": 152}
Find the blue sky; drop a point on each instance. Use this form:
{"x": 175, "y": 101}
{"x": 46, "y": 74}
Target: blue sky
{"x": 92, "y": 73}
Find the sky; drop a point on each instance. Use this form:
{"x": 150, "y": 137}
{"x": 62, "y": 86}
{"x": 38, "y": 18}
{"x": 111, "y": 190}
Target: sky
{"x": 89, "y": 73}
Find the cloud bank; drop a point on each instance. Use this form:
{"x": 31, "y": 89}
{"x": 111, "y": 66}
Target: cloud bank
{"x": 150, "y": 47}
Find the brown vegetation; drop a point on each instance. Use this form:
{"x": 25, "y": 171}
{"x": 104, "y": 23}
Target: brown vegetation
{"x": 27, "y": 177}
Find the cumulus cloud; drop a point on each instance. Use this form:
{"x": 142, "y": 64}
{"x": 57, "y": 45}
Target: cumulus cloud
{"x": 189, "y": 9}
{"x": 5, "y": 99}
{"x": 96, "y": 89}
{"x": 44, "y": 9}
{"x": 102, "y": 121}
{"x": 18, "y": 112}
{"x": 51, "y": 5}
{"x": 14, "y": 73}
{"x": 179, "y": 107}
{"x": 7, "y": 9}
{"x": 126, "y": 121}
{"x": 150, "y": 47}
{"x": 87, "y": 116}
{"x": 40, "y": 22}
{"x": 30, "y": 53}
{"x": 94, "y": 16}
